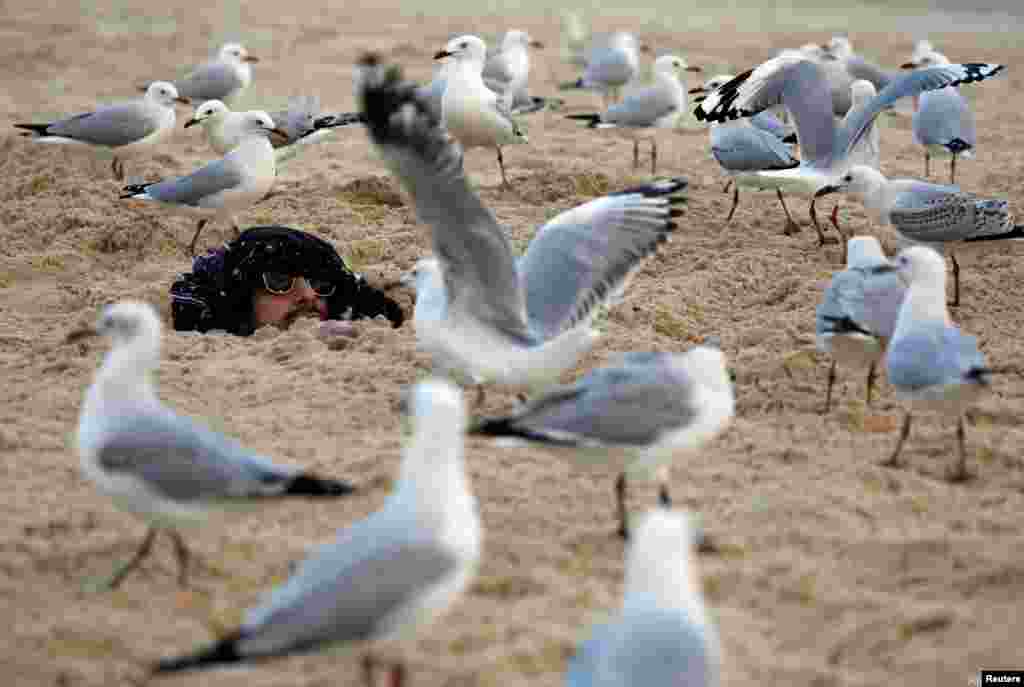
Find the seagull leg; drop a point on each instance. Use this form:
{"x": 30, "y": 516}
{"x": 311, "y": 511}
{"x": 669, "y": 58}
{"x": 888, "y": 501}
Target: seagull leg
{"x": 956, "y": 282}
{"x": 636, "y": 154}
{"x": 735, "y": 201}
{"x": 893, "y": 461}
{"x": 664, "y": 498}
{"x": 871, "y": 382}
{"x": 620, "y": 498}
{"x": 728, "y": 184}
{"x": 828, "y": 389}
{"x": 959, "y": 473}
{"x": 791, "y": 226}
{"x": 927, "y": 163}
{"x": 501, "y": 166}
{"x": 654, "y": 157}
{"x": 952, "y": 169}
{"x": 834, "y": 218}
{"x": 367, "y": 665}
{"x": 397, "y": 676}
{"x": 140, "y": 555}
{"x": 182, "y": 554}
{"x": 195, "y": 238}
{"x": 118, "y": 168}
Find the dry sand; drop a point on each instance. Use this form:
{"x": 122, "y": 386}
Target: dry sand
{"x": 832, "y": 570}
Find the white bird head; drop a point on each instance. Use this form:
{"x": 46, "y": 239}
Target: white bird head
{"x": 519, "y": 39}
{"x": 839, "y": 47}
{"x": 860, "y": 180}
{"x": 164, "y": 93}
{"x": 259, "y": 122}
{"x": 132, "y": 326}
{"x": 861, "y": 91}
{"x": 672, "y": 65}
{"x": 921, "y": 265}
{"x": 236, "y": 52}
{"x": 211, "y": 110}
{"x": 863, "y": 250}
{"x": 467, "y": 48}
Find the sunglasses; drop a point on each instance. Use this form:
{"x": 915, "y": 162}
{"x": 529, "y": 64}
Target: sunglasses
{"x": 281, "y": 283}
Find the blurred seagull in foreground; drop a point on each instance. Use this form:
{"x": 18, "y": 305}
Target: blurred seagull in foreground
{"x": 801, "y": 86}
{"x": 516, "y": 325}
{"x": 933, "y": 366}
{"x": 159, "y": 465}
{"x": 473, "y": 113}
{"x": 220, "y": 189}
{"x": 857, "y": 315}
{"x": 658, "y": 106}
{"x": 662, "y": 636}
{"x": 222, "y": 78}
{"x": 929, "y": 213}
{"x": 386, "y": 576}
{"x": 634, "y": 417}
{"x": 123, "y": 128}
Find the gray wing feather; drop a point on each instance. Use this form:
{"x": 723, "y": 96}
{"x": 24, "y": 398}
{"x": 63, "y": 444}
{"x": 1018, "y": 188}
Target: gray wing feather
{"x": 629, "y": 406}
{"x": 336, "y": 596}
{"x": 766, "y": 120}
{"x": 607, "y": 66}
{"x": 859, "y": 68}
{"x": 930, "y": 213}
{"x": 191, "y": 190}
{"x": 909, "y": 84}
{"x": 740, "y": 148}
{"x": 297, "y": 120}
{"x": 184, "y": 461}
{"x": 210, "y": 81}
{"x": 932, "y": 355}
{"x": 113, "y": 126}
{"x": 872, "y": 301}
{"x": 579, "y": 258}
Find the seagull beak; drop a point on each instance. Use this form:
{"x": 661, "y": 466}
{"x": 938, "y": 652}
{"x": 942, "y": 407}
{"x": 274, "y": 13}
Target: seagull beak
{"x": 693, "y": 68}
{"x": 537, "y": 44}
{"x": 250, "y": 58}
{"x": 441, "y": 54}
{"x": 884, "y": 269}
{"x": 908, "y": 65}
{"x": 183, "y": 100}
{"x": 698, "y": 89}
{"x": 193, "y": 121}
{"x": 826, "y": 190}
{"x": 81, "y": 333}
{"x": 700, "y": 99}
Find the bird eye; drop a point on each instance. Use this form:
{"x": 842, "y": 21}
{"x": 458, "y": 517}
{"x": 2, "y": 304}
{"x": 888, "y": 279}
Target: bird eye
{"x": 463, "y": 45}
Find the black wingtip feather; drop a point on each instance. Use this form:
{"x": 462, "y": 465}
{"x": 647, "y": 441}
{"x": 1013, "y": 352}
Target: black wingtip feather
{"x": 224, "y": 651}
{"x": 958, "y": 145}
{"x": 34, "y": 128}
{"x": 592, "y": 119}
{"x": 134, "y": 189}
{"x": 311, "y": 485}
{"x": 504, "y": 427}
{"x": 790, "y": 139}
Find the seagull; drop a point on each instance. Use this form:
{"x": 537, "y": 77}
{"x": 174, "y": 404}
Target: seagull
{"x": 386, "y": 576}
{"x": 857, "y": 314}
{"x": 473, "y": 113}
{"x": 930, "y": 362}
{"x": 801, "y": 86}
{"x": 662, "y": 637}
{"x": 222, "y": 78}
{"x": 123, "y": 128}
{"x": 742, "y": 148}
{"x": 928, "y": 213}
{"x": 611, "y": 63}
{"x": 242, "y": 177}
{"x": 302, "y": 124}
{"x": 507, "y": 71}
{"x": 161, "y": 466}
{"x": 508, "y": 324}
{"x": 634, "y": 416}
{"x": 655, "y": 107}
{"x": 943, "y": 122}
